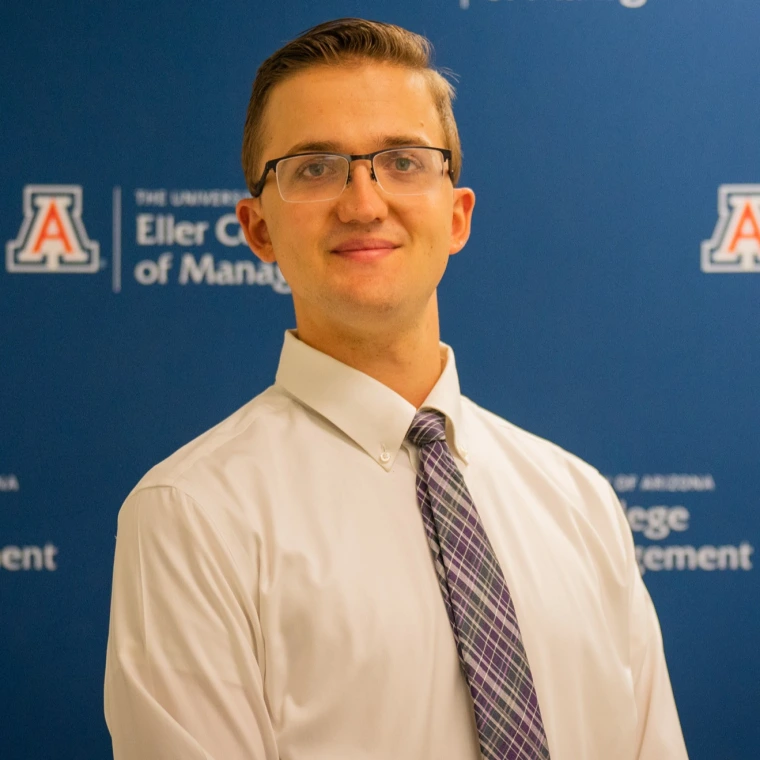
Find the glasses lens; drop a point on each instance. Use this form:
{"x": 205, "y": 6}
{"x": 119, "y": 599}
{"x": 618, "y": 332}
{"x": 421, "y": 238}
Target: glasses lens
{"x": 316, "y": 177}
{"x": 409, "y": 171}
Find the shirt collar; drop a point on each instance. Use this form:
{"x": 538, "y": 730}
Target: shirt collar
{"x": 371, "y": 414}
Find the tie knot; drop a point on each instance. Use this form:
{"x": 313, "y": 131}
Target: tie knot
{"x": 427, "y": 426}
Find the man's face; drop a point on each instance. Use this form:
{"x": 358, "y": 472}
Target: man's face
{"x": 367, "y": 258}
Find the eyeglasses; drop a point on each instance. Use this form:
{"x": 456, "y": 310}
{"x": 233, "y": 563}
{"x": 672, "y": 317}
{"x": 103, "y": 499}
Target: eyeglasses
{"x": 310, "y": 177}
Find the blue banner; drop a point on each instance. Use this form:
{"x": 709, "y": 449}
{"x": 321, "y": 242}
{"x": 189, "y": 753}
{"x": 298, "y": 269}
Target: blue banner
{"x": 608, "y": 299}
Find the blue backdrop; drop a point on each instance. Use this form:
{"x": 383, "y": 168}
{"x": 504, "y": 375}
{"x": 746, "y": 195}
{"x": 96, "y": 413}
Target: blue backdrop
{"x": 608, "y": 298}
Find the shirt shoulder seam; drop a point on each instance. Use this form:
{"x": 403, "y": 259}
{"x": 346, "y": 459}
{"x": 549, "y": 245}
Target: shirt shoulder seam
{"x": 173, "y": 479}
{"x": 197, "y": 505}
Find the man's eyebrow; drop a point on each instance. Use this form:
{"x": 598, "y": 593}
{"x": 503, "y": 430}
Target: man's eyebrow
{"x": 399, "y": 141}
{"x": 331, "y": 146}
{"x": 314, "y": 147}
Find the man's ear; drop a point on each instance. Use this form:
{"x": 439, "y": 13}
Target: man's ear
{"x": 248, "y": 211}
{"x": 464, "y": 202}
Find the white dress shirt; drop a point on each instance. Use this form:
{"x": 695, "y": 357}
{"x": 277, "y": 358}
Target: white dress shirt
{"x": 274, "y": 596}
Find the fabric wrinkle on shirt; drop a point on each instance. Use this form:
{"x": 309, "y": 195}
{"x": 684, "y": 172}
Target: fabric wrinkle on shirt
{"x": 274, "y": 596}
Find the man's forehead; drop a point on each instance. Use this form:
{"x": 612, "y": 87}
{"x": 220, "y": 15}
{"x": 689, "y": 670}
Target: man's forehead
{"x": 358, "y": 72}
{"x": 378, "y": 103}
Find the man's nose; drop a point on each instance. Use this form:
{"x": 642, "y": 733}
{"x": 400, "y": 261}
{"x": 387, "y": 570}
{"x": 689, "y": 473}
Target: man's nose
{"x": 362, "y": 199}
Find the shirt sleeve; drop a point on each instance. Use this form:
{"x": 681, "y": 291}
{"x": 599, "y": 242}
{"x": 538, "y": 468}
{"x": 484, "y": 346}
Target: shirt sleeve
{"x": 183, "y": 679}
{"x": 658, "y": 733}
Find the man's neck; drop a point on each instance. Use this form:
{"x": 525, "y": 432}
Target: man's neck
{"x": 408, "y": 362}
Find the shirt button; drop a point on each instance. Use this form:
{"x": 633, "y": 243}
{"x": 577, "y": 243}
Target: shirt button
{"x": 385, "y": 457}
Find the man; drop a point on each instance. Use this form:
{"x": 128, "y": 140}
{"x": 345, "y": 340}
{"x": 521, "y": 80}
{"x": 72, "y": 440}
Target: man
{"x": 362, "y": 563}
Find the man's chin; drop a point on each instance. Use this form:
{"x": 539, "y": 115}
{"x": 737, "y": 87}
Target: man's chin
{"x": 365, "y": 308}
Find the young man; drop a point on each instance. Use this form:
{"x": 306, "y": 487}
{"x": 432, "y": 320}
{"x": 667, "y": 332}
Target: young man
{"x": 362, "y": 563}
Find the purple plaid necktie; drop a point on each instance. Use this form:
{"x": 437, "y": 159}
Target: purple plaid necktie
{"x": 478, "y": 603}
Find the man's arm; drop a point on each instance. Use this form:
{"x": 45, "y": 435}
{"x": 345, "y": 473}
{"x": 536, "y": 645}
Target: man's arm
{"x": 182, "y": 668}
{"x": 659, "y": 732}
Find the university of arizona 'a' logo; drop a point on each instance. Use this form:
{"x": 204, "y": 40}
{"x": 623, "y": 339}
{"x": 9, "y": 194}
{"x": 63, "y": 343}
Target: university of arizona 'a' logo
{"x": 52, "y": 237}
{"x": 735, "y": 244}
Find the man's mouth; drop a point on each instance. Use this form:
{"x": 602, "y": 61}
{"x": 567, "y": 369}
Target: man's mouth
{"x": 364, "y": 249}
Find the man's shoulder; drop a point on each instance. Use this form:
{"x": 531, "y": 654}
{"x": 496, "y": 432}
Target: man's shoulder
{"x": 246, "y": 429}
{"x": 539, "y": 455}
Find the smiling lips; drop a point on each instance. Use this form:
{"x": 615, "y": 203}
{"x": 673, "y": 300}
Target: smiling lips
{"x": 364, "y": 249}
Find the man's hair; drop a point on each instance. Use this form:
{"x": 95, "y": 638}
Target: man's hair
{"x": 347, "y": 41}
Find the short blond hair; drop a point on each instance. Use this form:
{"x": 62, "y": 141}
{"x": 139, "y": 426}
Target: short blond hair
{"x": 347, "y": 40}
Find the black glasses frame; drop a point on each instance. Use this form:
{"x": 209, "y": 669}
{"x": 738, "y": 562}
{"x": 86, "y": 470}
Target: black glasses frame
{"x": 350, "y": 157}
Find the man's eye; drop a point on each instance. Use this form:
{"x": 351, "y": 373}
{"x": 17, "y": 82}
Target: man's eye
{"x": 401, "y": 164}
{"x": 314, "y": 170}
